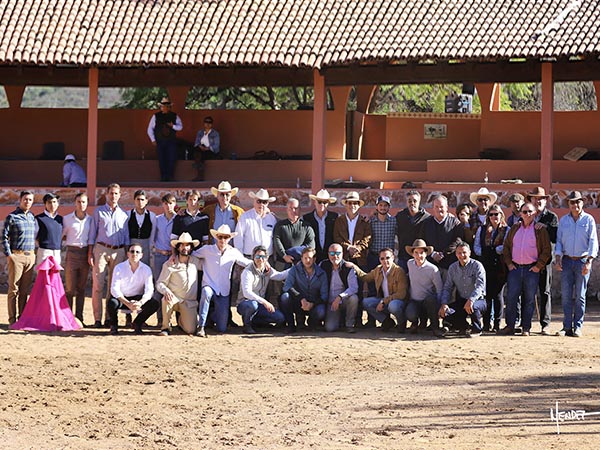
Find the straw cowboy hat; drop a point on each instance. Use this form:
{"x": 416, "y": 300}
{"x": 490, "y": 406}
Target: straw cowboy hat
{"x": 352, "y": 196}
{"x": 165, "y": 101}
{"x": 483, "y": 192}
{"x": 185, "y": 238}
{"x": 537, "y": 192}
{"x": 419, "y": 243}
{"x": 224, "y": 186}
{"x": 323, "y": 196}
{"x": 223, "y": 230}
{"x": 261, "y": 194}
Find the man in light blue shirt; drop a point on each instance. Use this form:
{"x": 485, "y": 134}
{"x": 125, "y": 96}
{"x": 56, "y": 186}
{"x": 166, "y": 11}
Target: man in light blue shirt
{"x": 576, "y": 247}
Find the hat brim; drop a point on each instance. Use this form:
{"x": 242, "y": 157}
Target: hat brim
{"x": 215, "y": 233}
{"x": 176, "y": 242}
{"x": 410, "y": 249}
{"x": 330, "y": 199}
{"x": 530, "y": 195}
{"x": 216, "y": 191}
{"x": 360, "y": 202}
{"x": 253, "y": 195}
{"x": 475, "y": 195}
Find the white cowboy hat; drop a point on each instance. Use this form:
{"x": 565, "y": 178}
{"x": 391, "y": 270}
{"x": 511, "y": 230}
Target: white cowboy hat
{"x": 70, "y": 157}
{"x": 323, "y": 196}
{"x": 224, "y": 186}
{"x": 223, "y": 230}
{"x": 185, "y": 238}
{"x": 483, "y": 192}
{"x": 353, "y": 196}
{"x": 261, "y": 194}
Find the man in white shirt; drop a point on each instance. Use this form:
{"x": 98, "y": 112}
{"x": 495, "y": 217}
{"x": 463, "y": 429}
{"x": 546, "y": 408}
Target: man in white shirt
{"x": 76, "y": 230}
{"x": 218, "y": 260}
{"x": 132, "y": 289}
{"x": 255, "y": 226}
{"x": 162, "y": 130}
{"x": 142, "y": 224}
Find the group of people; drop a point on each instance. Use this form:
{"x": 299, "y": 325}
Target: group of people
{"x": 415, "y": 271}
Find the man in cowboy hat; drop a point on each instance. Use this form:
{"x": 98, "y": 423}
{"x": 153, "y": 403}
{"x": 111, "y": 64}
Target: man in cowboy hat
{"x": 425, "y": 288}
{"x": 291, "y": 236}
{"x": 321, "y": 221}
{"x": 255, "y": 226}
{"x": 161, "y": 131}
{"x": 353, "y": 231}
{"x": 409, "y": 222}
{"x": 218, "y": 260}
{"x": 483, "y": 199}
{"x": 178, "y": 282}
{"x": 223, "y": 212}
{"x": 544, "y": 218}
{"x": 576, "y": 248}
{"x": 206, "y": 146}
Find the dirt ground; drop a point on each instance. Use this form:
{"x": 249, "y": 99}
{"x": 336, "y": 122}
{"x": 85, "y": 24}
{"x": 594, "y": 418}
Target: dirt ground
{"x": 371, "y": 390}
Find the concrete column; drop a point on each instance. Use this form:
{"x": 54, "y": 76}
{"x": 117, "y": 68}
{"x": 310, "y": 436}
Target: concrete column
{"x": 92, "y": 141}
{"x": 547, "y": 142}
{"x": 319, "y": 126}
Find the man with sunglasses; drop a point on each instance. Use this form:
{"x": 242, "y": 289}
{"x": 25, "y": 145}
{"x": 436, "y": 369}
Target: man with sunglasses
{"x": 223, "y": 212}
{"x": 131, "y": 289}
{"x": 526, "y": 252}
{"x": 162, "y": 132}
{"x": 343, "y": 290}
{"x": 321, "y": 221}
{"x": 206, "y": 146}
{"x": 482, "y": 199}
{"x": 576, "y": 248}
{"x": 255, "y": 226}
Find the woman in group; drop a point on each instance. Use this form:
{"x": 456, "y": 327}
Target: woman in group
{"x": 489, "y": 243}
{"x": 463, "y": 213}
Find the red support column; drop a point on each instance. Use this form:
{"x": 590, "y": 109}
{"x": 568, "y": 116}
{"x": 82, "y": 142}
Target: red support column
{"x": 92, "y": 141}
{"x": 547, "y": 144}
{"x": 319, "y": 124}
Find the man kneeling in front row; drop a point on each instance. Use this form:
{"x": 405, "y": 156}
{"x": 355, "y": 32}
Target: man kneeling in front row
{"x": 131, "y": 289}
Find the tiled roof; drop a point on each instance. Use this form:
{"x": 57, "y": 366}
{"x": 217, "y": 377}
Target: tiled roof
{"x": 300, "y": 33}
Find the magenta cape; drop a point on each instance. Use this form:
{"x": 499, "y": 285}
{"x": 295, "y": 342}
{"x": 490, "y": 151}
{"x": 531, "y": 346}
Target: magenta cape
{"x": 47, "y": 308}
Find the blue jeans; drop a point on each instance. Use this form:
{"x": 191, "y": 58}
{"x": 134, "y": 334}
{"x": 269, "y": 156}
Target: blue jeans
{"x": 395, "y": 307}
{"x": 167, "y": 156}
{"x": 572, "y": 281}
{"x": 290, "y": 305}
{"x": 459, "y": 318}
{"x": 254, "y": 313}
{"x": 221, "y": 313}
{"x": 523, "y": 283}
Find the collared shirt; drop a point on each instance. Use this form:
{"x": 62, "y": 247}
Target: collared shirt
{"x": 73, "y": 173}
{"x": 254, "y": 283}
{"x": 224, "y": 217}
{"x": 322, "y": 227}
{"x": 109, "y": 227}
{"x": 384, "y": 286}
{"x": 254, "y": 230}
{"x": 524, "y": 249}
{"x": 195, "y": 224}
{"x": 180, "y": 279}
{"x": 218, "y": 266}
{"x": 383, "y": 233}
{"x": 336, "y": 285}
{"x": 469, "y": 281}
{"x": 162, "y": 237}
{"x": 577, "y": 238}
{"x": 127, "y": 283}
{"x": 311, "y": 287}
{"x": 19, "y": 231}
{"x": 425, "y": 281}
{"x": 76, "y": 231}
{"x": 352, "y": 226}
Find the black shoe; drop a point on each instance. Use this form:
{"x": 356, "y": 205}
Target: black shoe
{"x": 128, "y": 320}
{"x": 114, "y": 331}
{"x": 248, "y": 329}
{"x": 350, "y": 330}
{"x": 290, "y": 330}
{"x": 106, "y": 324}
{"x": 97, "y": 324}
{"x": 232, "y": 324}
{"x": 387, "y": 324}
{"x": 413, "y": 329}
{"x": 137, "y": 329}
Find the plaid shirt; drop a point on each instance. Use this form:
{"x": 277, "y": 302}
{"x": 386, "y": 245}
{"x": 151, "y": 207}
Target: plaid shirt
{"x": 383, "y": 233}
{"x": 19, "y": 232}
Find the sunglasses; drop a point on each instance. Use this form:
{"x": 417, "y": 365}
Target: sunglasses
{"x": 483, "y": 199}
{"x": 335, "y": 253}
{"x": 135, "y": 252}
{"x": 494, "y": 214}
{"x": 323, "y": 202}
{"x": 384, "y": 258}
{"x": 208, "y": 123}
{"x": 225, "y": 194}
{"x": 260, "y": 256}
{"x": 263, "y": 202}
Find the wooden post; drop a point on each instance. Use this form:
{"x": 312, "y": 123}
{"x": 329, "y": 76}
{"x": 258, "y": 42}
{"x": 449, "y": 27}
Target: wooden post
{"x": 547, "y": 141}
{"x": 92, "y": 141}
{"x": 319, "y": 124}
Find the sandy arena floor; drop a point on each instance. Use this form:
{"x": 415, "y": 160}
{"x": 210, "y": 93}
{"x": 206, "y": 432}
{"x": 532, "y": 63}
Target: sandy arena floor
{"x": 371, "y": 390}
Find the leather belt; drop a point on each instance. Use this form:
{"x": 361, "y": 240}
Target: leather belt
{"x": 113, "y": 247}
{"x": 575, "y": 258}
{"x": 22, "y": 252}
{"x": 527, "y": 266}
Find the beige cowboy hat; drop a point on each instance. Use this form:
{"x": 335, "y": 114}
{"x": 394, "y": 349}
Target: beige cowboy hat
{"x": 165, "y": 101}
{"x": 483, "y": 192}
{"x": 223, "y": 230}
{"x": 224, "y": 186}
{"x": 323, "y": 196}
{"x": 419, "y": 243}
{"x": 537, "y": 192}
{"x": 185, "y": 238}
{"x": 261, "y": 194}
{"x": 353, "y": 196}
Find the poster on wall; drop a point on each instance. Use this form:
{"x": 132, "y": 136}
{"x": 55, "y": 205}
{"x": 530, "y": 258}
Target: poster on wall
{"x": 435, "y": 131}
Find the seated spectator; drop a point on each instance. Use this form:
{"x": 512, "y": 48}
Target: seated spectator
{"x": 252, "y": 305}
{"x": 73, "y": 173}
{"x": 207, "y": 146}
{"x": 391, "y": 285}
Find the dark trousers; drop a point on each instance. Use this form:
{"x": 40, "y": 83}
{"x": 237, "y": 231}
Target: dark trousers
{"x": 167, "y": 156}
{"x": 544, "y": 298}
{"x": 77, "y": 271}
{"x": 148, "y": 308}
{"x": 290, "y": 305}
{"x": 459, "y": 318}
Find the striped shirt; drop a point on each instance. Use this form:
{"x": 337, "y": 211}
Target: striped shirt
{"x": 19, "y": 231}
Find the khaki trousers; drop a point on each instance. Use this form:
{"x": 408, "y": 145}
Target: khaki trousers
{"x": 20, "y": 274}
{"x": 188, "y": 315}
{"x": 76, "y": 276}
{"x": 105, "y": 260}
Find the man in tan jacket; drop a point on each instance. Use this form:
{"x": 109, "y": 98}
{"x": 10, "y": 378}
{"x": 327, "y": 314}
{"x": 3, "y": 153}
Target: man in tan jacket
{"x": 353, "y": 231}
